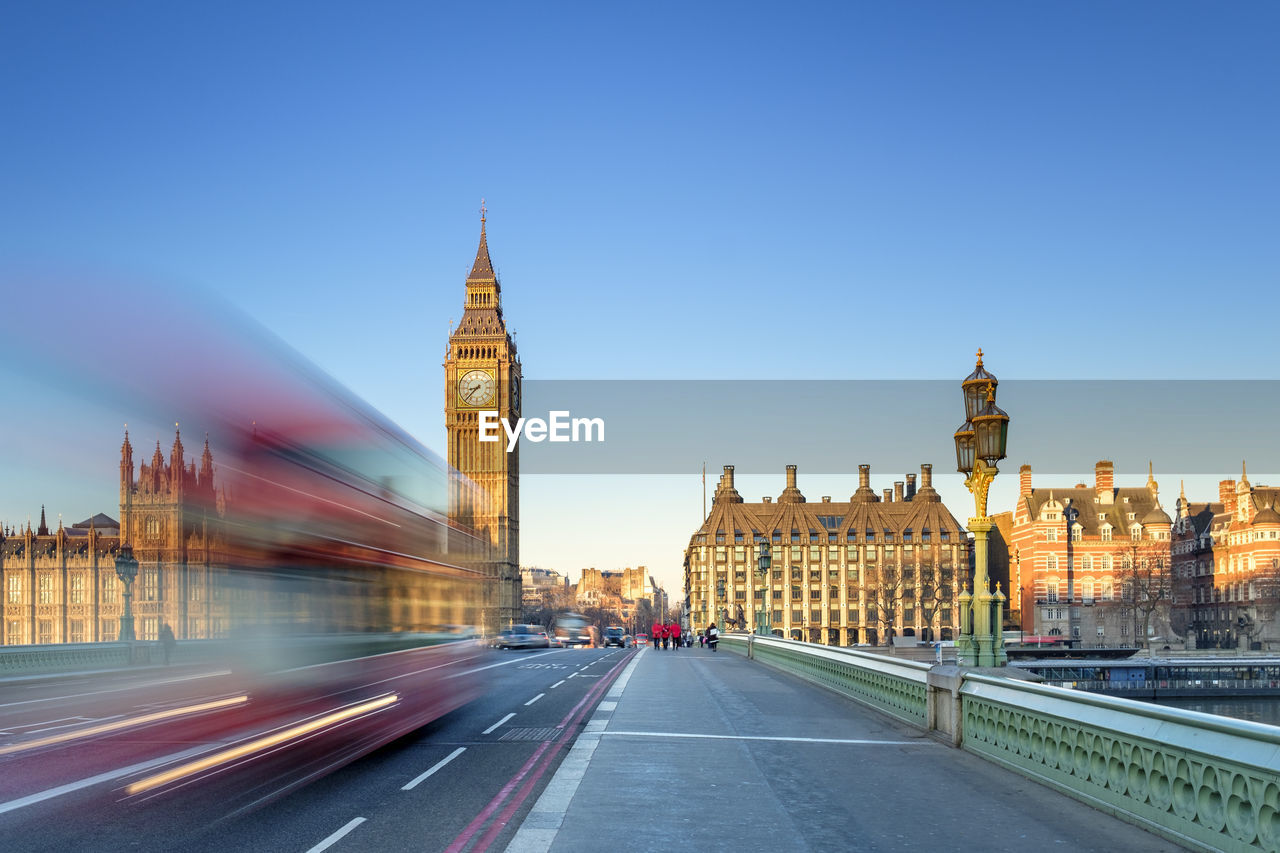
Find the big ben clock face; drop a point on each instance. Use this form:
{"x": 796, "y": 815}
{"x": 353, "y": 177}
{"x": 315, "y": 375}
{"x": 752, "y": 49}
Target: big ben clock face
{"x": 475, "y": 388}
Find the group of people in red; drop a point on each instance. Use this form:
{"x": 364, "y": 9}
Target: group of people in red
{"x": 667, "y": 636}
{"x": 670, "y": 637}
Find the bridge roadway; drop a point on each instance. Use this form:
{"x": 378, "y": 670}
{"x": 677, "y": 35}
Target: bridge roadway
{"x": 567, "y": 750}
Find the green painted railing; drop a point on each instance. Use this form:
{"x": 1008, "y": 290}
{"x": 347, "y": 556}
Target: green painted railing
{"x": 252, "y": 654}
{"x": 895, "y": 687}
{"x": 63, "y": 657}
{"x": 1201, "y": 780}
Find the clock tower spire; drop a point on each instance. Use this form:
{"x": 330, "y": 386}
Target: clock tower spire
{"x": 482, "y": 373}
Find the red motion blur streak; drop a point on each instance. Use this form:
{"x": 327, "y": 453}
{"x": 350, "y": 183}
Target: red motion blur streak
{"x": 291, "y": 729}
{"x": 542, "y": 757}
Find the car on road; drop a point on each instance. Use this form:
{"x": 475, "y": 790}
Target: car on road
{"x": 615, "y": 636}
{"x": 642, "y": 639}
{"x": 525, "y": 637}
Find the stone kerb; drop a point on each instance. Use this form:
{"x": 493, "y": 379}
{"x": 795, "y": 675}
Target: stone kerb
{"x": 1205, "y": 781}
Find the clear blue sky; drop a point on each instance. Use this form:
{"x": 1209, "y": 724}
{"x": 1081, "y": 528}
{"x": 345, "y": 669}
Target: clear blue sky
{"x": 715, "y": 190}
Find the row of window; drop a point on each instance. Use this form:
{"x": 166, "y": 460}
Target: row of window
{"x": 828, "y": 522}
{"x": 148, "y": 588}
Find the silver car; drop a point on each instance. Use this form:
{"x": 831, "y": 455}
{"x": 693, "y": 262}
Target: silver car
{"x": 525, "y": 637}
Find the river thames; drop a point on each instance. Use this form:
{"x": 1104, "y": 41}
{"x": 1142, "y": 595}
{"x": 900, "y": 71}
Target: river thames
{"x": 1260, "y": 710}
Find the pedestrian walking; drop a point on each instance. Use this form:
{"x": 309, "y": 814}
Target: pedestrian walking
{"x": 657, "y": 635}
{"x": 674, "y": 630}
{"x": 167, "y": 642}
{"x": 713, "y": 635}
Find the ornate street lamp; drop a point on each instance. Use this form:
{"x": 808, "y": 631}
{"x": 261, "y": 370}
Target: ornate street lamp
{"x": 981, "y": 442}
{"x": 127, "y": 571}
{"x": 763, "y": 562}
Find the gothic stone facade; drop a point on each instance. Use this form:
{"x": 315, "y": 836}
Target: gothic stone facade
{"x": 61, "y": 587}
{"x": 482, "y": 373}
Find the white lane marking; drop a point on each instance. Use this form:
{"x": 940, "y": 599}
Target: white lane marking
{"x": 492, "y": 665}
{"x": 495, "y": 725}
{"x": 337, "y": 836}
{"x": 534, "y": 699}
{"x": 117, "y": 689}
{"x": 110, "y": 775}
{"x": 857, "y": 741}
{"x": 543, "y": 822}
{"x": 441, "y": 763}
{"x": 570, "y": 675}
{"x": 557, "y": 684}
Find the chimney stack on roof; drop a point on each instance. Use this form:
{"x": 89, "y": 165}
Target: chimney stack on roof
{"x": 1024, "y": 481}
{"x": 791, "y": 494}
{"x": 888, "y": 496}
{"x": 897, "y": 491}
{"x": 864, "y": 492}
{"x": 1227, "y": 494}
{"x": 911, "y": 486}
{"x": 1104, "y": 474}
{"x": 926, "y": 476}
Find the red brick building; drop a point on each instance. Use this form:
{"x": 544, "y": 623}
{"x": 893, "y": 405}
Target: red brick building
{"x": 1226, "y": 555}
{"x": 1093, "y": 561}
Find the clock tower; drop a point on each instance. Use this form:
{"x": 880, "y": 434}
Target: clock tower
{"x": 482, "y": 373}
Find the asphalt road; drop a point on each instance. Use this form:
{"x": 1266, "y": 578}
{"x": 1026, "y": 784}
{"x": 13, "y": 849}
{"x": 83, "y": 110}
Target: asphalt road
{"x": 463, "y": 782}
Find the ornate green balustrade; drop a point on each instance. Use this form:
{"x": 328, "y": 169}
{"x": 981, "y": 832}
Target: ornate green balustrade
{"x": 895, "y": 687}
{"x": 65, "y": 657}
{"x": 1204, "y": 781}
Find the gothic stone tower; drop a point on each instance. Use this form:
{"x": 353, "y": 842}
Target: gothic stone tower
{"x": 165, "y": 515}
{"x": 482, "y": 373}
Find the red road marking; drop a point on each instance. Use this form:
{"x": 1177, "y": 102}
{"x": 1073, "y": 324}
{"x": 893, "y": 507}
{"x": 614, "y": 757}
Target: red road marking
{"x": 550, "y": 748}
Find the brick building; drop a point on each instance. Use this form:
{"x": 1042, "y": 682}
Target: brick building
{"x": 1094, "y": 561}
{"x": 1226, "y": 558}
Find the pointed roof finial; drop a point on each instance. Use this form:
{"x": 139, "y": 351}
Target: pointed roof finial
{"x": 979, "y": 356}
{"x": 482, "y": 269}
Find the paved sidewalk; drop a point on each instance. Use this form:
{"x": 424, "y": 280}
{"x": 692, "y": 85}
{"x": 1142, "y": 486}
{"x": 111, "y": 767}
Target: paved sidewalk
{"x": 708, "y": 751}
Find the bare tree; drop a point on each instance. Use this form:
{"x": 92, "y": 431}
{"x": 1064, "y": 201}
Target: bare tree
{"x": 1146, "y": 583}
{"x": 885, "y": 595}
{"x": 935, "y": 597}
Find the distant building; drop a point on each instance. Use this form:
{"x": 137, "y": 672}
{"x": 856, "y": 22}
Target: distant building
{"x": 537, "y": 586}
{"x": 1080, "y": 553}
{"x": 61, "y": 586}
{"x": 841, "y": 573}
{"x": 1226, "y": 556}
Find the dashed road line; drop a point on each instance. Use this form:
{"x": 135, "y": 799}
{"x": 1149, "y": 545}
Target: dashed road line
{"x": 441, "y": 763}
{"x": 534, "y": 699}
{"x": 557, "y": 684}
{"x": 491, "y": 729}
{"x": 337, "y": 836}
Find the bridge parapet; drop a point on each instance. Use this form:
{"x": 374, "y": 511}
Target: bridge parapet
{"x": 1205, "y": 781}
{"x": 896, "y": 687}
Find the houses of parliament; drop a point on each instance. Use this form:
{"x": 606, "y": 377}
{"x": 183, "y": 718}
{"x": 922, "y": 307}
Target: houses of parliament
{"x": 60, "y": 584}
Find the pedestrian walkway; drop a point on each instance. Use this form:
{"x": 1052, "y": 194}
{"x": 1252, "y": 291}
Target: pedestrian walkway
{"x": 708, "y": 751}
